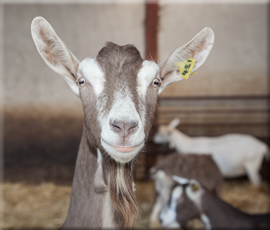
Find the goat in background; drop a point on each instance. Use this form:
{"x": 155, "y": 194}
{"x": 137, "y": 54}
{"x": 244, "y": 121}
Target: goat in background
{"x": 234, "y": 154}
{"x": 214, "y": 212}
{"x": 192, "y": 166}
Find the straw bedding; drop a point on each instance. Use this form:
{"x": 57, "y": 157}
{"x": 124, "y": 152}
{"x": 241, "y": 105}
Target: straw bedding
{"x": 45, "y": 205}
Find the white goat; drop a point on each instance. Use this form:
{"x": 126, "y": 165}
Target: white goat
{"x": 235, "y": 154}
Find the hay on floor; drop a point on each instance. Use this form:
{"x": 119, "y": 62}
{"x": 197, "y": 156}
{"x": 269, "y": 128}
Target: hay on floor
{"x": 45, "y": 205}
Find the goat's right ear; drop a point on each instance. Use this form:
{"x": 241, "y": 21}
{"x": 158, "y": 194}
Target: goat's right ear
{"x": 198, "y": 48}
{"x": 54, "y": 52}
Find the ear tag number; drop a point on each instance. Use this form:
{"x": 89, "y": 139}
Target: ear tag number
{"x": 185, "y": 67}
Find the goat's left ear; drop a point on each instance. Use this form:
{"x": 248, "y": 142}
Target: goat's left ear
{"x": 54, "y": 52}
{"x": 198, "y": 48}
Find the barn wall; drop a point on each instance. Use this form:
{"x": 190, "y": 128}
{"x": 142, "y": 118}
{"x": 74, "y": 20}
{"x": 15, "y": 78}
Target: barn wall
{"x": 238, "y": 62}
{"x": 230, "y": 92}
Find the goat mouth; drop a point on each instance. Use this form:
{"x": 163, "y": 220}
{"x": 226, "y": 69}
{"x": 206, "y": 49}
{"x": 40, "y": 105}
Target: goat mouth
{"x": 122, "y": 154}
{"x": 123, "y": 149}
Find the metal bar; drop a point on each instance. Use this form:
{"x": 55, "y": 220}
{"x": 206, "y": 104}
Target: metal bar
{"x": 235, "y": 124}
{"x": 164, "y": 111}
{"x": 231, "y": 97}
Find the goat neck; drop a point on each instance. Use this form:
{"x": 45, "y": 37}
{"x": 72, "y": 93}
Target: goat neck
{"x": 86, "y": 196}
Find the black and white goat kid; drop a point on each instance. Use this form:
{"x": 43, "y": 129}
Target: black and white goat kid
{"x": 191, "y": 199}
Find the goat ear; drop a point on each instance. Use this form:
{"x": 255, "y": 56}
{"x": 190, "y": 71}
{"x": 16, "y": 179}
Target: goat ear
{"x": 54, "y": 52}
{"x": 174, "y": 123}
{"x": 180, "y": 180}
{"x": 198, "y": 48}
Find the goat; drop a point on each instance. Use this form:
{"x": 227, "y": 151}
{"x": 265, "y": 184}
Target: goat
{"x": 214, "y": 212}
{"x": 234, "y": 154}
{"x": 118, "y": 90}
{"x": 192, "y": 166}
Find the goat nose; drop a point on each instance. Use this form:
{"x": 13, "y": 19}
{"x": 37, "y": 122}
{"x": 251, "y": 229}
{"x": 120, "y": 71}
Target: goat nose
{"x": 160, "y": 220}
{"x": 124, "y": 127}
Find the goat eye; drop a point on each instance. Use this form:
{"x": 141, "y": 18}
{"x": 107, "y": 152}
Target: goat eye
{"x": 82, "y": 81}
{"x": 156, "y": 83}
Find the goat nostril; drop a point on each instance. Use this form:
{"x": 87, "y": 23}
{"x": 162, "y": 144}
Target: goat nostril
{"x": 124, "y": 127}
{"x": 116, "y": 127}
{"x": 132, "y": 126}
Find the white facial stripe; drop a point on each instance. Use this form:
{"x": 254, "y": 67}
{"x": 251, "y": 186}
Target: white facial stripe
{"x": 146, "y": 74}
{"x": 180, "y": 180}
{"x": 168, "y": 214}
{"x": 176, "y": 194}
{"x": 123, "y": 104}
{"x": 91, "y": 70}
{"x": 123, "y": 108}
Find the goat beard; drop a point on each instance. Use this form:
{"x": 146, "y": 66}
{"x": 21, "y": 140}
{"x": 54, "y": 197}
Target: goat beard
{"x": 121, "y": 190}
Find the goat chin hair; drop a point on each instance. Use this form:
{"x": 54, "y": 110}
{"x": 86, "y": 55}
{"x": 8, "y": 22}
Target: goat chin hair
{"x": 121, "y": 190}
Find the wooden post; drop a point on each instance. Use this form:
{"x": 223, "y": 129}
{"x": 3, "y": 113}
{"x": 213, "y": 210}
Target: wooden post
{"x": 147, "y": 160}
{"x": 151, "y": 27}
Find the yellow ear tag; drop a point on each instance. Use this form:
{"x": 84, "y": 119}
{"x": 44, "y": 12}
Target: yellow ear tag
{"x": 186, "y": 67}
{"x": 194, "y": 187}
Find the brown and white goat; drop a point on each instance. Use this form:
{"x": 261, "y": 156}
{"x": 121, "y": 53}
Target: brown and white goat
{"x": 192, "y": 166}
{"x": 214, "y": 212}
{"x": 118, "y": 90}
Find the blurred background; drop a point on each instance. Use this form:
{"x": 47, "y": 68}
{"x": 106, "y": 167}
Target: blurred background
{"x": 42, "y": 123}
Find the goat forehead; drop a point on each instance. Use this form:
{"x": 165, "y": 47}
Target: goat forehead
{"x": 120, "y": 75}
{"x": 119, "y": 89}
{"x": 119, "y": 61}
{"x": 121, "y": 65}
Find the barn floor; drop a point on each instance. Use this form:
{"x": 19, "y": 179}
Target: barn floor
{"x": 45, "y": 205}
